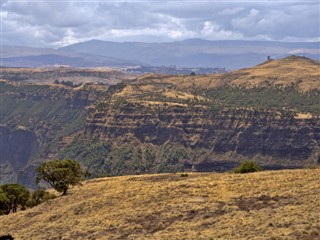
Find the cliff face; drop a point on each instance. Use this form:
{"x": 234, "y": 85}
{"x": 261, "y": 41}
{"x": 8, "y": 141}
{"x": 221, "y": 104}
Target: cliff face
{"x": 34, "y": 120}
{"x": 243, "y": 132}
{"x": 16, "y": 147}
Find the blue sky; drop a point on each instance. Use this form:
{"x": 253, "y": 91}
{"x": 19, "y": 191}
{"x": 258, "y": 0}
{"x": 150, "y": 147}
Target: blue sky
{"x": 58, "y": 23}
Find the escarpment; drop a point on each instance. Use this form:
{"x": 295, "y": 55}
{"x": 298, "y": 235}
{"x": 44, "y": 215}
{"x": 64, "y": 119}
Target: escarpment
{"x": 246, "y": 133}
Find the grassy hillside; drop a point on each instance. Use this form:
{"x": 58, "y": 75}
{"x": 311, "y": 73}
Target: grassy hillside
{"x": 265, "y": 205}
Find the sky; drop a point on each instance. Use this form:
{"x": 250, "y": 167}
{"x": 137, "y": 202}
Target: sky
{"x": 59, "y": 23}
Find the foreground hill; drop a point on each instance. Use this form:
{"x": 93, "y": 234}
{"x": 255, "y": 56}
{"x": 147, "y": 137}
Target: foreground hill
{"x": 266, "y": 205}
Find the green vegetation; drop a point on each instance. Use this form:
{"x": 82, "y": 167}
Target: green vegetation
{"x": 104, "y": 158}
{"x": 60, "y": 174}
{"x": 247, "y": 166}
{"x": 5, "y": 205}
{"x": 39, "y": 196}
{"x": 279, "y": 99}
{"x": 16, "y": 196}
{"x": 28, "y": 105}
{"x": 13, "y": 196}
{"x": 93, "y": 154}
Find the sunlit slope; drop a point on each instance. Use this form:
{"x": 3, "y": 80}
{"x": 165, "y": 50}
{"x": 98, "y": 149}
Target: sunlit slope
{"x": 265, "y": 205}
{"x": 299, "y": 72}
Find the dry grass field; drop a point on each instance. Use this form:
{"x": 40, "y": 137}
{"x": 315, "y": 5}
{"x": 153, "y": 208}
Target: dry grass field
{"x": 303, "y": 73}
{"x": 266, "y": 205}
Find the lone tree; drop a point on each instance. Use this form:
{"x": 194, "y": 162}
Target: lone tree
{"x": 60, "y": 174}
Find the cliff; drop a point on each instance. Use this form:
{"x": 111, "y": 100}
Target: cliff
{"x": 270, "y": 138}
{"x": 16, "y": 147}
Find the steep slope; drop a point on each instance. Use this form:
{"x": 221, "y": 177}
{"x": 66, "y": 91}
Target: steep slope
{"x": 266, "y": 205}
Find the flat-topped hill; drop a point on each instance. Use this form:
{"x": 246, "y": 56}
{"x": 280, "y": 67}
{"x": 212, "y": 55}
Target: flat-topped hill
{"x": 264, "y": 205}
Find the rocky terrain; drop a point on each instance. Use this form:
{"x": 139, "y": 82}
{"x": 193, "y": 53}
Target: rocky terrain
{"x": 164, "y": 123}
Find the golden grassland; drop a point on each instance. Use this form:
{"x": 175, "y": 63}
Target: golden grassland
{"x": 266, "y": 205}
{"x": 303, "y": 73}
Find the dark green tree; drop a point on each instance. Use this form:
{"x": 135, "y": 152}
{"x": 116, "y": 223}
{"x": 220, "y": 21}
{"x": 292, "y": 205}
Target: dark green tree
{"x": 60, "y": 174}
{"x": 4, "y": 203}
{"x": 17, "y": 195}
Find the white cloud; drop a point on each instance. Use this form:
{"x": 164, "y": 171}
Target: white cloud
{"x": 52, "y": 23}
{"x": 213, "y": 31}
{"x": 231, "y": 11}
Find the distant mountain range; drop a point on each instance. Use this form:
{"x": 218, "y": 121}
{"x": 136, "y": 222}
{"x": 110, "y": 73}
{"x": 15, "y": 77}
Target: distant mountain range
{"x": 187, "y": 53}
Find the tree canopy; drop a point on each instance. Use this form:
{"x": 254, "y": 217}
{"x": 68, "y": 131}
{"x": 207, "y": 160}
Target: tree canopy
{"x": 60, "y": 174}
{"x": 13, "y": 196}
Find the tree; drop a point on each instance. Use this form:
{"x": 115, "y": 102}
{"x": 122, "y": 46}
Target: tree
{"x": 17, "y": 195}
{"x": 60, "y": 174}
{"x": 4, "y": 203}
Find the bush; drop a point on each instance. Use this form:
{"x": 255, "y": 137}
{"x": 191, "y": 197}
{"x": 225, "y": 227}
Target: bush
{"x": 312, "y": 166}
{"x": 39, "y": 196}
{"x": 247, "y": 166}
{"x": 184, "y": 175}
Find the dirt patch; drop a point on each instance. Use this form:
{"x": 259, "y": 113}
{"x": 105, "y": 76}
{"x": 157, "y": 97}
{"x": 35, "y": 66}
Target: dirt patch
{"x": 161, "y": 178}
{"x": 263, "y": 201}
{"x": 307, "y": 234}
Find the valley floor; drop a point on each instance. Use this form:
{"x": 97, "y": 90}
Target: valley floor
{"x": 266, "y": 205}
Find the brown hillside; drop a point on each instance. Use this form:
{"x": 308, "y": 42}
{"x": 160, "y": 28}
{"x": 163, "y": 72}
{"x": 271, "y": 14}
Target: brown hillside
{"x": 266, "y": 205}
{"x": 300, "y": 72}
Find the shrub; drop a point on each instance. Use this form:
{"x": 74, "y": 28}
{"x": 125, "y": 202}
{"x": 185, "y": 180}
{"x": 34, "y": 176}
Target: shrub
{"x": 184, "y": 175}
{"x": 312, "y": 166}
{"x": 247, "y": 166}
{"x": 39, "y": 196}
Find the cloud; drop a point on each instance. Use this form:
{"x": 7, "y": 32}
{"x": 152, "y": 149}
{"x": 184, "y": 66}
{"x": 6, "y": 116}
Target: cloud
{"x": 231, "y": 11}
{"x": 213, "y": 31}
{"x": 54, "y": 24}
